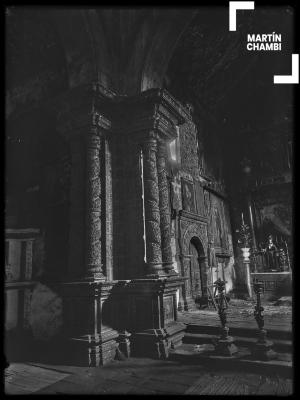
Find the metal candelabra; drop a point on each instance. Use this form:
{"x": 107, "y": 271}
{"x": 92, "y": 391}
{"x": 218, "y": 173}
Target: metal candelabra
{"x": 263, "y": 347}
{"x": 225, "y": 345}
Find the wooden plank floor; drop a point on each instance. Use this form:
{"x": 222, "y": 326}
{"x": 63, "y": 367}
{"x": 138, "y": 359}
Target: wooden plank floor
{"x": 140, "y": 376}
{"x": 238, "y": 385}
{"x": 26, "y": 379}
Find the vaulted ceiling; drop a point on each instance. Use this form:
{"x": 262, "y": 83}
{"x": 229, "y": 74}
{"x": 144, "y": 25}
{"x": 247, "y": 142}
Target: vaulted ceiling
{"x": 212, "y": 69}
{"x": 129, "y": 50}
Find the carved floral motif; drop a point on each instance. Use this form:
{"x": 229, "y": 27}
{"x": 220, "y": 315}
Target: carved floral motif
{"x": 164, "y": 205}
{"x": 188, "y": 149}
{"x": 93, "y": 207}
{"x": 197, "y": 229}
{"x": 151, "y": 203}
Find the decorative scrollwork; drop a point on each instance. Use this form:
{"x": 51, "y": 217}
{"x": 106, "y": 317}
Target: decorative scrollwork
{"x": 190, "y": 230}
{"x": 93, "y": 206}
{"x": 188, "y": 146}
{"x": 164, "y": 205}
{"x": 151, "y": 203}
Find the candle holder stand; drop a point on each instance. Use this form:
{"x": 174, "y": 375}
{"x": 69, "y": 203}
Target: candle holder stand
{"x": 263, "y": 347}
{"x": 225, "y": 345}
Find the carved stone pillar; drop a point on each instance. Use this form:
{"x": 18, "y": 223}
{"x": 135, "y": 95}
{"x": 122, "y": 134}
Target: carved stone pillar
{"x": 149, "y": 120}
{"x": 88, "y": 333}
{"x": 107, "y": 210}
{"x": 164, "y": 206}
{"x": 145, "y": 121}
{"x": 81, "y": 122}
{"x": 93, "y": 208}
{"x": 151, "y": 208}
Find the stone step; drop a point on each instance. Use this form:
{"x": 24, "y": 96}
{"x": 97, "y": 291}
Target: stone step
{"x": 280, "y": 334}
{"x": 284, "y": 346}
{"x": 241, "y": 361}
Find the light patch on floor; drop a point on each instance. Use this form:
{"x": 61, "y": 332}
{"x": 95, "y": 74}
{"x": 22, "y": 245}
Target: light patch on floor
{"x": 26, "y": 379}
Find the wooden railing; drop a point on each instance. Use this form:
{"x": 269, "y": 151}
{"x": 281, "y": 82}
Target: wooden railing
{"x": 272, "y": 256}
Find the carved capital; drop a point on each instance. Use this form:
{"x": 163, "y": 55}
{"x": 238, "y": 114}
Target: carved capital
{"x": 82, "y": 110}
{"x": 153, "y": 112}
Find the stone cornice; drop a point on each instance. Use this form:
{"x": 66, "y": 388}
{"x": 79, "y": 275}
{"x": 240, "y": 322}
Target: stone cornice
{"x": 221, "y": 252}
{"x": 133, "y": 286}
{"x": 83, "y": 109}
{"x": 192, "y": 216}
{"x": 87, "y": 289}
{"x": 164, "y": 98}
{"x": 154, "y": 112}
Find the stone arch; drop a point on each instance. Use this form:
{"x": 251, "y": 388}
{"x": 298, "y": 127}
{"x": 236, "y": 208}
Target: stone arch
{"x": 139, "y": 45}
{"x": 195, "y": 240}
{"x": 195, "y": 233}
{"x": 94, "y": 44}
{"x": 194, "y": 230}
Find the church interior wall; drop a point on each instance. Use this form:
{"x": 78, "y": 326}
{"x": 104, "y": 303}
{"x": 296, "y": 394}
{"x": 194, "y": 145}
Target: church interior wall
{"x": 46, "y": 198}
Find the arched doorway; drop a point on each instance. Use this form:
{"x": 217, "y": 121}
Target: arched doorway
{"x": 195, "y": 283}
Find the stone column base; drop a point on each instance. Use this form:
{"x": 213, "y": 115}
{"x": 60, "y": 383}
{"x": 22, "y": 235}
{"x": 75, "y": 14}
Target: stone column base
{"x": 93, "y": 350}
{"x": 90, "y": 332}
{"x": 151, "y": 343}
{"x": 154, "y": 326}
{"x": 263, "y": 351}
{"x": 156, "y": 343}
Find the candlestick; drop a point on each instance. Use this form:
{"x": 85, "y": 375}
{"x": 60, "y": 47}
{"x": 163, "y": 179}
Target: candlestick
{"x": 243, "y": 218}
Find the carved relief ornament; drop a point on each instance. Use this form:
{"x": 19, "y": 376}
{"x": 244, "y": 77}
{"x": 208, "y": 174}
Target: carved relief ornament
{"x": 190, "y": 230}
{"x": 153, "y": 112}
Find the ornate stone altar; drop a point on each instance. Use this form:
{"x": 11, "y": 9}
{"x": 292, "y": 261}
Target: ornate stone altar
{"x": 121, "y": 287}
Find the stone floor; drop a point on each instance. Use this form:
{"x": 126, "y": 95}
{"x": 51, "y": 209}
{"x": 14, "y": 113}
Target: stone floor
{"x": 140, "y": 376}
{"x": 147, "y": 376}
{"x": 240, "y": 314}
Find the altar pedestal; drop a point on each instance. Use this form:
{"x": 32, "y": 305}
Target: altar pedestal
{"x": 154, "y": 326}
{"x": 89, "y": 335}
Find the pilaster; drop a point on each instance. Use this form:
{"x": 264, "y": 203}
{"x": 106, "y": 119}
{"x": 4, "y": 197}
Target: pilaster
{"x": 151, "y": 208}
{"x": 89, "y": 335}
{"x": 151, "y": 120}
{"x": 84, "y": 119}
{"x": 164, "y": 206}
{"x": 102, "y": 315}
{"x": 153, "y": 323}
